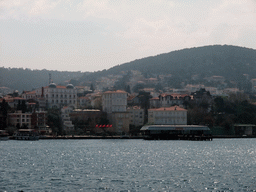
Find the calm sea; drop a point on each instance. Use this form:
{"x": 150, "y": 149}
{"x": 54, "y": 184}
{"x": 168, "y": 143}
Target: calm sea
{"x": 128, "y": 165}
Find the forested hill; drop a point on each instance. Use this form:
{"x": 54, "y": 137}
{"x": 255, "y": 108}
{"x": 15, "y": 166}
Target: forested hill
{"x": 232, "y": 62}
{"x": 224, "y": 60}
{"x": 26, "y": 79}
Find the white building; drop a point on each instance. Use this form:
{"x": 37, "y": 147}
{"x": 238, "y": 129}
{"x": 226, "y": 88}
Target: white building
{"x": 58, "y": 96}
{"x": 114, "y": 101}
{"x": 174, "y": 115}
{"x": 66, "y": 122}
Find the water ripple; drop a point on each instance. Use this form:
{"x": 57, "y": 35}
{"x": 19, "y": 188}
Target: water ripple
{"x": 128, "y": 165}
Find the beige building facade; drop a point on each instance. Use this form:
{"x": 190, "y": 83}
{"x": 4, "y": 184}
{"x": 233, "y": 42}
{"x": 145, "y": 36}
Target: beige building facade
{"x": 137, "y": 116}
{"x": 174, "y": 115}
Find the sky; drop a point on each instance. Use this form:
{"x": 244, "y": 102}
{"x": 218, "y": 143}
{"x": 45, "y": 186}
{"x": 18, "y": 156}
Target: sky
{"x": 92, "y": 35}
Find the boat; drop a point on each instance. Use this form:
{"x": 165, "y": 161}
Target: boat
{"x": 3, "y": 135}
{"x": 26, "y": 134}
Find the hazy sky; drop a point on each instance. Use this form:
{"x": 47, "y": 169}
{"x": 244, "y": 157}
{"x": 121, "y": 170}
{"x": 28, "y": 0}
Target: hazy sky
{"x": 92, "y": 35}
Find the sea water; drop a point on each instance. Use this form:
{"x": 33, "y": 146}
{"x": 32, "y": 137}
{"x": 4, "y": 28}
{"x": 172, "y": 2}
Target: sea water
{"x": 128, "y": 165}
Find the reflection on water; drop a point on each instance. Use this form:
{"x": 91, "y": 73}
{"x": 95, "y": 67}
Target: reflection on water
{"x": 128, "y": 165}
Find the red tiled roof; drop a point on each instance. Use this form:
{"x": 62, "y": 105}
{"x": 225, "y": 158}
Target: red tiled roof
{"x": 173, "y": 108}
{"x": 131, "y": 97}
{"x": 117, "y": 91}
{"x": 174, "y": 95}
{"x": 155, "y": 98}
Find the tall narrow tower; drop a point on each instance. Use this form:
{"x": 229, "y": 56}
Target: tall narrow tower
{"x": 50, "y": 78}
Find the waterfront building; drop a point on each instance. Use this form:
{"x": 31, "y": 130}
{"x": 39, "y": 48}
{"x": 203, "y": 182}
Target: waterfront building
{"x": 19, "y": 119}
{"x": 67, "y": 125}
{"x": 174, "y": 115}
{"x": 39, "y": 120}
{"x": 245, "y": 129}
{"x": 176, "y": 132}
{"x": 120, "y": 121}
{"x": 87, "y": 118}
{"x": 114, "y": 103}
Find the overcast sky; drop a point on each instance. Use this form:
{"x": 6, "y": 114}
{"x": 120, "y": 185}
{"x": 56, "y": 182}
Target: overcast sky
{"x": 92, "y": 35}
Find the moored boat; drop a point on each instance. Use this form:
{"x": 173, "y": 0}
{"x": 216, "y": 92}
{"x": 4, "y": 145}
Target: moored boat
{"x": 3, "y": 135}
{"x": 26, "y": 134}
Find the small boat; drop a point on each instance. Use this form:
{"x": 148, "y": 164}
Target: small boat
{"x": 3, "y": 135}
{"x": 26, "y": 134}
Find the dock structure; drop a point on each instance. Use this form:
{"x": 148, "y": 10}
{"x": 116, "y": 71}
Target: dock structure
{"x": 176, "y": 132}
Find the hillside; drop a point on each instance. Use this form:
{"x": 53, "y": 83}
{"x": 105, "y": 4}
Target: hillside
{"x": 26, "y": 79}
{"x": 232, "y": 62}
{"x": 223, "y": 60}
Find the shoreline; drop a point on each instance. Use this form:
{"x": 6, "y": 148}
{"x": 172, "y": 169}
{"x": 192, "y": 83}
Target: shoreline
{"x": 130, "y": 137}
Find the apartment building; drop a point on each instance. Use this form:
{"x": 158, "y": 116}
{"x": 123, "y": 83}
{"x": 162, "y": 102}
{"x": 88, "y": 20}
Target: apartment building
{"x": 19, "y": 119}
{"x": 114, "y": 103}
{"x": 137, "y": 116}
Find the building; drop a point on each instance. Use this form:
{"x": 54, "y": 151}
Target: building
{"x": 120, "y": 121}
{"x": 114, "y": 101}
{"x": 39, "y": 120}
{"x": 13, "y": 102}
{"x": 67, "y": 125}
{"x": 83, "y": 102}
{"x": 154, "y": 102}
{"x": 245, "y": 129}
{"x": 168, "y": 100}
{"x": 137, "y": 116}
{"x": 87, "y": 118}
{"x": 202, "y": 97}
{"x": 174, "y": 115}
{"x": 176, "y": 132}
{"x": 19, "y": 119}
{"x": 58, "y": 96}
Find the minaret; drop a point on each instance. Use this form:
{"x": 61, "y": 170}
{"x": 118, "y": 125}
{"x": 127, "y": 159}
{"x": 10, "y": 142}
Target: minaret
{"x": 50, "y": 78}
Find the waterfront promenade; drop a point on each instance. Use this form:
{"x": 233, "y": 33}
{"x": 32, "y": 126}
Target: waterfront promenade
{"x": 131, "y": 137}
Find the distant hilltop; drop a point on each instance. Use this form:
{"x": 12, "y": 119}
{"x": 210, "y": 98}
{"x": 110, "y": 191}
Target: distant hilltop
{"x": 235, "y": 64}
{"x": 219, "y": 60}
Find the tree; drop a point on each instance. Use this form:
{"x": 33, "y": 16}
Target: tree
{"x": 4, "y": 110}
{"x": 158, "y": 87}
{"x": 128, "y": 89}
{"x": 92, "y": 87}
{"x": 137, "y": 87}
{"x": 144, "y": 98}
{"x": 54, "y": 120}
{"x": 23, "y": 106}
